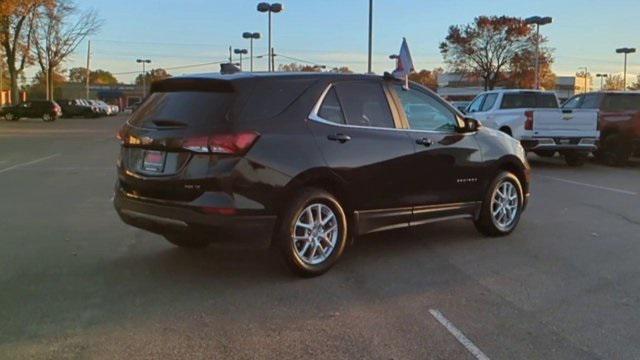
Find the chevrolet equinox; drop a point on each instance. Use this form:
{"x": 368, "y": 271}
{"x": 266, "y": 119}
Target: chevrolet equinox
{"x": 306, "y": 162}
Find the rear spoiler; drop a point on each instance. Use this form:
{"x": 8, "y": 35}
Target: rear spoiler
{"x": 197, "y": 84}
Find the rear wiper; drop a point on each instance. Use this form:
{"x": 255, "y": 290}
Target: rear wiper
{"x": 169, "y": 123}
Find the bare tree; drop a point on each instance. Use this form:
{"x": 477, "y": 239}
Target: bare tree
{"x": 17, "y": 19}
{"x": 58, "y": 32}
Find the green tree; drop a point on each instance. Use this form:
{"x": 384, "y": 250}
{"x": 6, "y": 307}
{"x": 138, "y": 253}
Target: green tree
{"x": 96, "y": 77}
{"x": 486, "y": 48}
{"x": 153, "y": 75}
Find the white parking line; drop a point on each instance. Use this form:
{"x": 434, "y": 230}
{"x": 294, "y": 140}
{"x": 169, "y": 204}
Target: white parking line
{"x": 16, "y": 166}
{"x": 471, "y": 347}
{"x": 626, "y": 192}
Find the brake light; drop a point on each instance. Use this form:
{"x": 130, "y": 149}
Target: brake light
{"x": 231, "y": 144}
{"x": 528, "y": 123}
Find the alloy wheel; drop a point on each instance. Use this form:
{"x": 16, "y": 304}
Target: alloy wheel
{"x": 315, "y": 233}
{"x": 505, "y": 204}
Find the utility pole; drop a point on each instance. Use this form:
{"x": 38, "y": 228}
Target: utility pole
{"x": 370, "y": 35}
{"x": 88, "y": 75}
{"x": 538, "y": 21}
{"x": 273, "y": 60}
{"x": 230, "y": 55}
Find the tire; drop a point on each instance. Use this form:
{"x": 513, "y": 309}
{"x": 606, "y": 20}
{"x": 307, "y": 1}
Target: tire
{"x": 47, "y": 117}
{"x": 299, "y": 235}
{"x": 187, "y": 241}
{"x": 10, "y": 117}
{"x": 487, "y": 223}
{"x": 545, "y": 153}
{"x": 614, "y": 150}
{"x": 575, "y": 159}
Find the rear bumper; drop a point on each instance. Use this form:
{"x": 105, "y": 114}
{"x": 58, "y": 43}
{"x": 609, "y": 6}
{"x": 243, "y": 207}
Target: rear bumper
{"x": 559, "y": 144}
{"x": 168, "y": 217}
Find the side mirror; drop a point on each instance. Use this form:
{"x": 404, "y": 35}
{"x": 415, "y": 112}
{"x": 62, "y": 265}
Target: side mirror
{"x": 470, "y": 125}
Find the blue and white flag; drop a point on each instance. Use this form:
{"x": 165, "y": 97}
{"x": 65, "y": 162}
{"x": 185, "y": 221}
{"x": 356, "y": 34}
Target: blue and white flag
{"x": 404, "y": 62}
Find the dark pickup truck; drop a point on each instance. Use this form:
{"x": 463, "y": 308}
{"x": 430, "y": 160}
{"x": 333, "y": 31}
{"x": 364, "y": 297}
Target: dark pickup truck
{"x": 619, "y": 120}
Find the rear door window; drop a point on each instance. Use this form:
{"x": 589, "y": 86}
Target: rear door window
{"x": 621, "y": 102}
{"x": 530, "y": 100}
{"x": 573, "y": 103}
{"x": 365, "y": 104}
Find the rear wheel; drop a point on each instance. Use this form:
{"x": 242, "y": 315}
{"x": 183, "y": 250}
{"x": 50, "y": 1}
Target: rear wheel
{"x": 187, "y": 241}
{"x": 502, "y": 206}
{"x": 614, "y": 150}
{"x": 10, "y": 117}
{"x": 312, "y": 232}
{"x": 575, "y": 158}
{"x": 47, "y": 117}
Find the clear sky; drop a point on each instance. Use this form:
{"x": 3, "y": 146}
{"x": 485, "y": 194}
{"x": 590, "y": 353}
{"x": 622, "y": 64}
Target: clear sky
{"x": 334, "y": 32}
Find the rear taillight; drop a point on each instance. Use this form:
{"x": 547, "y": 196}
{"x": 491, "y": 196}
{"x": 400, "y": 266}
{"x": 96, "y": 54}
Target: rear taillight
{"x": 528, "y": 122}
{"x": 231, "y": 144}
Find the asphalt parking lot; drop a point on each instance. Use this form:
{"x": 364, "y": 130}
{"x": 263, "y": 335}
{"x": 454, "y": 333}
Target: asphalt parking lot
{"x": 75, "y": 282}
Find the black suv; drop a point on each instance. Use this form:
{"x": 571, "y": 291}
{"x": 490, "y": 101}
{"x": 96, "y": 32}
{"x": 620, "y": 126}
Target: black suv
{"x": 307, "y": 161}
{"x": 77, "y": 107}
{"x": 45, "y": 109}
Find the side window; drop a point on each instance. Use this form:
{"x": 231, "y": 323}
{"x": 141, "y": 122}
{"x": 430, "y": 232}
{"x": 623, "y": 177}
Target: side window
{"x": 365, "y": 104}
{"x": 590, "y": 102}
{"x": 424, "y": 112}
{"x": 489, "y": 102}
{"x": 331, "y": 109}
{"x": 476, "y": 105}
{"x": 573, "y": 103}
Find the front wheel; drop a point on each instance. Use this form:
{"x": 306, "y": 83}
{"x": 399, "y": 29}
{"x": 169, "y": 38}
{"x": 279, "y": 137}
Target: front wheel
{"x": 312, "y": 232}
{"x": 48, "y": 118}
{"x": 502, "y": 206}
{"x": 10, "y": 117}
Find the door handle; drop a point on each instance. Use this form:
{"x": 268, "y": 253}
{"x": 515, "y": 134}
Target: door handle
{"x": 424, "y": 142}
{"x": 341, "y": 138}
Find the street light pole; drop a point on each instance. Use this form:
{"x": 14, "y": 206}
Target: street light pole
{"x": 602, "y": 76}
{"x": 240, "y": 52}
{"x": 251, "y": 36}
{"x": 586, "y": 73}
{"x": 144, "y": 62}
{"x": 625, "y": 51}
{"x": 538, "y": 21}
{"x": 370, "y": 36}
{"x": 270, "y": 8}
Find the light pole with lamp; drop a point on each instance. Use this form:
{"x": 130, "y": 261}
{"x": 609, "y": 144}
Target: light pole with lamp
{"x": 270, "y": 8}
{"x": 144, "y": 62}
{"x": 586, "y": 73}
{"x": 251, "y": 36}
{"x": 538, "y": 21}
{"x": 625, "y": 51}
{"x": 240, "y": 52}
{"x": 602, "y": 77}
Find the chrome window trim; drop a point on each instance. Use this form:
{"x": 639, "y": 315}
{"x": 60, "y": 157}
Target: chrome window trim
{"x": 315, "y": 117}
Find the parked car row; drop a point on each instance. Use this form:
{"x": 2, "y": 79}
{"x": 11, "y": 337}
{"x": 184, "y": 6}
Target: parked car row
{"x": 50, "y": 110}
{"x": 606, "y": 124}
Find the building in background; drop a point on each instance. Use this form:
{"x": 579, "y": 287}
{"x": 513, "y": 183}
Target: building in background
{"x": 458, "y": 87}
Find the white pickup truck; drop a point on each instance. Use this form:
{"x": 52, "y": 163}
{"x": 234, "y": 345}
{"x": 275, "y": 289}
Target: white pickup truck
{"x": 535, "y": 118}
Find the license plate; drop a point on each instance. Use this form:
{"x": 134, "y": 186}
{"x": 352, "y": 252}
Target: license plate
{"x": 153, "y": 161}
{"x": 564, "y": 141}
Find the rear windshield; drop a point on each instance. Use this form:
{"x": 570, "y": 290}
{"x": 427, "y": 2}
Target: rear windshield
{"x": 621, "y": 102}
{"x": 195, "y": 109}
{"x": 529, "y": 100}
